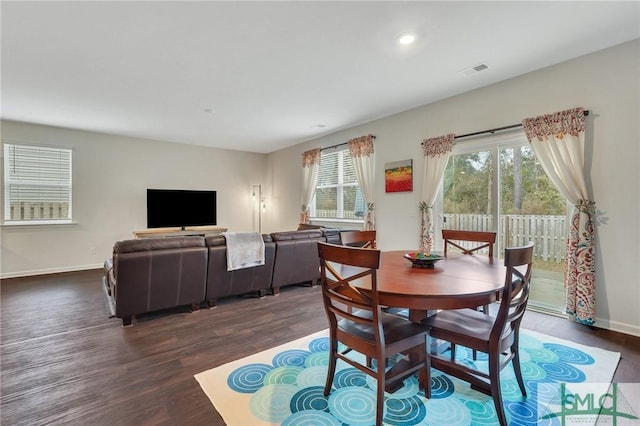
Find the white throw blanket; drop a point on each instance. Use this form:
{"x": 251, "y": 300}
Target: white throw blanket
{"x": 244, "y": 250}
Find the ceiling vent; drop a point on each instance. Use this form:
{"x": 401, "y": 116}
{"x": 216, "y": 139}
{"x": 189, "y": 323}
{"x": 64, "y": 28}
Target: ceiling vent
{"x": 474, "y": 70}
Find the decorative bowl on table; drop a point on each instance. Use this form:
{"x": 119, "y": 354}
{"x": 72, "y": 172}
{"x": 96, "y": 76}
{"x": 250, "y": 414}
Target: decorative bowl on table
{"x": 420, "y": 259}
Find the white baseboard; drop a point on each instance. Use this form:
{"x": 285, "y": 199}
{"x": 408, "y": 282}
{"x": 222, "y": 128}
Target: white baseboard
{"x": 620, "y": 327}
{"x": 603, "y": 323}
{"x": 50, "y": 271}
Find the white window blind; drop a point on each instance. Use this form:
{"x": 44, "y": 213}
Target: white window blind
{"x": 338, "y": 194}
{"x": 37, "y": 184}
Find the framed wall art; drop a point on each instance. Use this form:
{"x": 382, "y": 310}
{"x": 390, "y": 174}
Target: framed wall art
{"x": 398, "y": 176}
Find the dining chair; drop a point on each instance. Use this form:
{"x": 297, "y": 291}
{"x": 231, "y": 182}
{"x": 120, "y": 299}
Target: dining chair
{"x": 496, "y": 336}
{"x": 484, "y": 238}
{"x": 356, "y": 320}
{"x": 364, "y": 239}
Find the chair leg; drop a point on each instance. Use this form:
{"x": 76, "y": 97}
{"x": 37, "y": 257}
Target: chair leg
{"x": 516, "y": 366}
{"x": 494, "y": 381}
{"x": 380, "y": 370}
{"x": 333, "y": 349}
{"x": 425, "y": 375}
{"x": 516, "y": 369}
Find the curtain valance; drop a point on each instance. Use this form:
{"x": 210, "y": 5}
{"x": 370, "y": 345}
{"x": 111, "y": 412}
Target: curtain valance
{"x": 361, "y": 146}
{"x": 440, "y": 145}
{"x": 311, "y": 157}
{"x": 557, "y": 124}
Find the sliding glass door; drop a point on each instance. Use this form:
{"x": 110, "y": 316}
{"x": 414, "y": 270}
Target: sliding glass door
{"x": 468, "y": 192}
{"x": 496, "y": 184}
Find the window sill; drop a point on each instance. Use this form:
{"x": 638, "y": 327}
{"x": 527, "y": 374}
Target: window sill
{"x": 330, "y": 220}
{"x": 36, "y": 224}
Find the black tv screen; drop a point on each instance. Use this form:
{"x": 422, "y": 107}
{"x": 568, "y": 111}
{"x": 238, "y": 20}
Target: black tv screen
{"x": 177, "y": 207}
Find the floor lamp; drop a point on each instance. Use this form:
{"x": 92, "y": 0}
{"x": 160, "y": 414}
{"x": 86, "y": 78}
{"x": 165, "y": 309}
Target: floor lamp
{"x": 257, "y": 196}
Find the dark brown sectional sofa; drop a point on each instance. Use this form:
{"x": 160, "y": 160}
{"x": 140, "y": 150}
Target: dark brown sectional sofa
{"x": 146, "y": 275}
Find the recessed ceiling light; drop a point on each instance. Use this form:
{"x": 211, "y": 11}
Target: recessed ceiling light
{"x": 406, "y": 38}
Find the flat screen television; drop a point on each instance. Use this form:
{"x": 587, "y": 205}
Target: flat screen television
{"x": 178, "y": 207}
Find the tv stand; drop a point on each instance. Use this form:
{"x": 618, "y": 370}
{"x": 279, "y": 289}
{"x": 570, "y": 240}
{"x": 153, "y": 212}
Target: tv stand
{"x": 178, "y": 231}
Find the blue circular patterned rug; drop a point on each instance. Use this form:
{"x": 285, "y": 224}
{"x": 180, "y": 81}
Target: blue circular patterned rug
{"x": 285, "y": 386}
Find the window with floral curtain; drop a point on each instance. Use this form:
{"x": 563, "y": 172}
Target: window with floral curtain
{"x": 338, "y": 195}
{"x": 558, "y": 142}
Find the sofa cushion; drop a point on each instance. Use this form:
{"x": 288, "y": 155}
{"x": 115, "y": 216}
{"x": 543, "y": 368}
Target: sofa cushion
{"x": 310, "y": 234}
{"x": 167, "y": 243}
{"x": 332, "y": 235}
{"x": 304, "y": 226}
{"x": 219, "y": 240}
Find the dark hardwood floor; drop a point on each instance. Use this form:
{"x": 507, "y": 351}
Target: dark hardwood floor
{"x": 63, "y": 361}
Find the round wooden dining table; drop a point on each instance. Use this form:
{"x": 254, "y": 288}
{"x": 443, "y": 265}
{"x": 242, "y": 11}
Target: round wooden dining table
{"x": 457, "y": 281}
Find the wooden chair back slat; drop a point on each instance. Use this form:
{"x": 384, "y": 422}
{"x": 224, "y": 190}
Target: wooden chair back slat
{"x": 342, "y": 298}
{"x": 485, "y": 238}
{"x": 363, "y": 239}
{"x": 515, "y": 294}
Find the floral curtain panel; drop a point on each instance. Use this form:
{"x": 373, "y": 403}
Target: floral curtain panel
{"x": 361, "y": 150}
{"x": 436, "y": 155}
{"x": 310, "y": 167}
{"x": 558, "y": 142}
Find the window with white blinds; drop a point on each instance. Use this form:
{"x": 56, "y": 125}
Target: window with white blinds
{"x": 338, "y": 194}
{"x": 37, "y": 184}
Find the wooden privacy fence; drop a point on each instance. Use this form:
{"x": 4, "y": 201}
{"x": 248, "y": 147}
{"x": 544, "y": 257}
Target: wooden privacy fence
{"x": 333, "y": 214}
{"x": 549, "y": 233}
{"x": 43, "y": 210}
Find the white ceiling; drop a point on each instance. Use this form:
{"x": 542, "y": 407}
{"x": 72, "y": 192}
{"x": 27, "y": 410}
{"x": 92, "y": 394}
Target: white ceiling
{"x": 271, "y": 71}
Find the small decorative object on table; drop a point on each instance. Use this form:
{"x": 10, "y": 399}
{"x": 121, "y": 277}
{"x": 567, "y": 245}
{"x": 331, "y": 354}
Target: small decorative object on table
{"x": 421, "y": 259}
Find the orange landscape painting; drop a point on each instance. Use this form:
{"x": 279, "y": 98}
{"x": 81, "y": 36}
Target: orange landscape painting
{"x": 398, "y": 176}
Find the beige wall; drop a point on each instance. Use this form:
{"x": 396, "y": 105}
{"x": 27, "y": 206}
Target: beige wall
{"x": 110, "y": 178}
{"x": 606, "y": 83}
